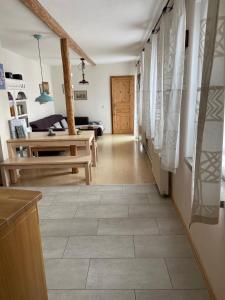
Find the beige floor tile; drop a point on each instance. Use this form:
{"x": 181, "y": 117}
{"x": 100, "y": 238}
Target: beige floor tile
{"x": 184, "y": 273}
{"x": 53, "y": 247}
{"x": 124, "y": 198}
{"x": 69, "y": 227}
{"x": 57, "y": 212}
{"x": 151, "y": 211}
{"x": 170, "y": 226}
{"x": 127, "y": 226}
{"x": 66, "y": 273}
{"x": 162, "y": 246}
{"x": 102, "y": 211}
{"x": 92, "y": 295}
{"x": 100, "y": 247}
{"x": 172, "y": 295}
{"x": 128, "y": 274}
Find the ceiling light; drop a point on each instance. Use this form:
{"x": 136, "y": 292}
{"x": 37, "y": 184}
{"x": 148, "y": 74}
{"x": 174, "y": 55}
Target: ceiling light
{"x": 44, "y": 97}
{"x": 83, "y": 81}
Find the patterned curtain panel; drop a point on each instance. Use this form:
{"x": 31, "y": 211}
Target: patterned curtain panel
{"x": 146, "y": 91}
{"x": 210, "y": 112}
{"x": 173, "y": 73}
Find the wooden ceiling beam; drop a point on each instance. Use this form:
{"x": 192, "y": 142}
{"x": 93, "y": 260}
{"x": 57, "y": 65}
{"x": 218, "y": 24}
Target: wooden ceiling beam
{"x": 45, "y": 17}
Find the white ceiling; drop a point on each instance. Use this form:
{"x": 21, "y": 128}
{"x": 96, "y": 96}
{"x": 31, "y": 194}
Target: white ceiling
{"x": 107, "y": 30}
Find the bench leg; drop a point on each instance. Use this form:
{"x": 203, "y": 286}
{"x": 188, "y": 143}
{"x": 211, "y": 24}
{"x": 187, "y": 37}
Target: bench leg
{"x": 90, "y": 172}
{"x": 87, "y": 174}
{"x": 5, "y": 177}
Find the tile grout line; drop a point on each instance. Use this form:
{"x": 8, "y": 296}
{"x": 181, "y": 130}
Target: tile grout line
{"x": 135, "y": 296}
{"x": 68, "y": 238}
{"x": 134, "y": 247}
{"x": 87, "y": 273}
{"x": 164, "y": 259}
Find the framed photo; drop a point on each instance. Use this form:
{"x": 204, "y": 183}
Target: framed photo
{"x": 20, "y": 131}
{"x": 44, "y": 87}
{"x": 80, "y": 95}
{"x": 2, "y": 78}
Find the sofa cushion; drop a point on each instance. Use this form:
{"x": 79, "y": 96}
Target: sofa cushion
{"x": 57, "y": 125}
{"x": 64, "y": 123}
{"x": 81, "y": 120}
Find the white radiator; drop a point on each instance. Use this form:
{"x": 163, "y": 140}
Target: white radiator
{"x": 161, "y": 176}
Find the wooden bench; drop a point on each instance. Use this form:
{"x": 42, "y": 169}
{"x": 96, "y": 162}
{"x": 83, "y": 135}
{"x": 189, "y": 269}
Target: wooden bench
{"x": 35, "y": 151}
{"x": 46, "y": 163}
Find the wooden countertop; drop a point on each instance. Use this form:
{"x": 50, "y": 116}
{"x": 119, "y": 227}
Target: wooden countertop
{"x": 14, "y": 203}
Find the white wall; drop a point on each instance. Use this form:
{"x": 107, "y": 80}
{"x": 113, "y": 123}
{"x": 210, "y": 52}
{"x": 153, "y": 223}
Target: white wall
{"x": 30, "y": 69}
{"x": 98, "y": 105}
{"x": 4, "y": 117}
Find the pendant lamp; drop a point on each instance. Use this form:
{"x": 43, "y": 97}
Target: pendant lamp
{"x": 83, "y": 81}
{"x": 44, "y": 97}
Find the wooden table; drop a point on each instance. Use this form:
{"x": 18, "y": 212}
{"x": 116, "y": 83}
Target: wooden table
{"x": 61, "y": 139}
{"x": 22, "y": 273}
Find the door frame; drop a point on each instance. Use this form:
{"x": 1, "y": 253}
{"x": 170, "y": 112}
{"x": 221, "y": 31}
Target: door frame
{"x": 121, "y": 76}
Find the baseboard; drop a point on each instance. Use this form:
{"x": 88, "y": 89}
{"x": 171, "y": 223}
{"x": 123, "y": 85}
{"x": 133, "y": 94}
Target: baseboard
{"x": 196, "y": 255}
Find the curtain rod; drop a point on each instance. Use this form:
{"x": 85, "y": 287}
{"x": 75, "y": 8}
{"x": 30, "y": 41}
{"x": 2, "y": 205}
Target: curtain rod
{"x": 155, "y": 30}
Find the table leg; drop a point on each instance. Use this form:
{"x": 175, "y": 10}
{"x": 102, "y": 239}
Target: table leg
{"x": 93, "y": 150}
{"x": 73, "y": 152}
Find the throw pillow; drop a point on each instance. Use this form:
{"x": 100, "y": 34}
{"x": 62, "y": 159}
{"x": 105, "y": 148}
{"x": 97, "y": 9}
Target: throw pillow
{"x": 64, "y": 123}
{"x": 57, "y": 125}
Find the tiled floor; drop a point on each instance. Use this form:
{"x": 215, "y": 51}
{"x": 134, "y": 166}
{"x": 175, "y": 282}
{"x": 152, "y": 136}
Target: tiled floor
{"x": 116, "y": 242}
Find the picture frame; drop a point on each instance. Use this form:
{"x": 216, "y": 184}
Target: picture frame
{"x": 2, "y": 78}
{"x": 44, "y": 87}
{"x": 20, "y": 131}
{"x": 80, "y": 95}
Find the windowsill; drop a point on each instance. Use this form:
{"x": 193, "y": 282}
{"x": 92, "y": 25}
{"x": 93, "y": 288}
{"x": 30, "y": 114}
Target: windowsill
{"x": 189, "y": 161}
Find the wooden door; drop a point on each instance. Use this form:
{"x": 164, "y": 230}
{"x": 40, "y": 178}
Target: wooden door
{"x": 122, "y": 98}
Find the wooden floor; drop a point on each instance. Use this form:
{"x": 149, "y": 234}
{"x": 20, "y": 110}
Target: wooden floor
{"x": 121, "y": 161}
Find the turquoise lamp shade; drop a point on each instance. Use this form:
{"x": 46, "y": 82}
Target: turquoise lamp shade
{"x": 44, "y": 98}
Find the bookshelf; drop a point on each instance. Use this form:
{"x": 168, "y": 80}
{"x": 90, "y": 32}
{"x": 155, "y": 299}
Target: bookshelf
{"x": 17, "y": 97}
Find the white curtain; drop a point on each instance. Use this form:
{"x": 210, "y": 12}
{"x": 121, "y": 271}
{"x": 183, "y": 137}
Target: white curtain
{"x": 174, "y": 57}
{"x": 210, "y": 114}
{"x": 153, "y": 84}
{"x": 159, "y": 119}
{"x": 146, "y": 91}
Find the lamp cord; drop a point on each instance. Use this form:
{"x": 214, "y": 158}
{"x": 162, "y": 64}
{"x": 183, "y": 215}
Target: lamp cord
{"x": 39, "y": 53}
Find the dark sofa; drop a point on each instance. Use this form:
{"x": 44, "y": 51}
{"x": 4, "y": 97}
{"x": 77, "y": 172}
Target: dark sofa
{"x": 82, "y": 123}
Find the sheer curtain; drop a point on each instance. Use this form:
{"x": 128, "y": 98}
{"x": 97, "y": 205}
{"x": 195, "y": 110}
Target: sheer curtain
{"x": 159, "y": 120}
{"x": 210, "y": 114}
{"x": 153, "y": 85}
{"x": 146, "y": 91}
{"x": 174, "y": 57}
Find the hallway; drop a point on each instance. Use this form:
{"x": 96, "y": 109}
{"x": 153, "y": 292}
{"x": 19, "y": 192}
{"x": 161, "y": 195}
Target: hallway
{"x": 120, "y": 242}
{"x": 121, "y": 161}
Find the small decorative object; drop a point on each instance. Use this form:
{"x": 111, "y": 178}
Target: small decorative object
{"x": 80, "y": 95}
{"x": 21, "y": 96}
{"x": 44, "y": 97}
{"x": 83, "y": 81}
{"x": 9, "y": 75}
{"x": 2, "y": 78}
{"x": 17, "y": 76}
{"x": 20, "y": 133}
{"x": 44, "y": 87}
{"x": 51, "y": 132}
{"x": 78, "y": 132}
